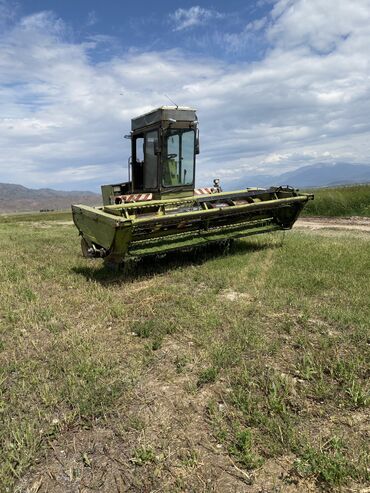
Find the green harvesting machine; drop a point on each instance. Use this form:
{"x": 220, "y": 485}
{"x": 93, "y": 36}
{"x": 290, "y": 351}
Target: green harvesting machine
{"x": 159, "y": 209}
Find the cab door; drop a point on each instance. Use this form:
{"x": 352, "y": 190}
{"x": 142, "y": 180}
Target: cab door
{"x": 150, "y": 172}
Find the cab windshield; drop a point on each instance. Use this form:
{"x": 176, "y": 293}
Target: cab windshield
{"x": 178, "y": 162}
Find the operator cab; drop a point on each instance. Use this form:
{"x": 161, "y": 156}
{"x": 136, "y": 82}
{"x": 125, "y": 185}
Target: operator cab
{"x": 164, "y": 143}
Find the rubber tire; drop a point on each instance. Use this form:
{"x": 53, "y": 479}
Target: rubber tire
{"x": 85, "y": 248}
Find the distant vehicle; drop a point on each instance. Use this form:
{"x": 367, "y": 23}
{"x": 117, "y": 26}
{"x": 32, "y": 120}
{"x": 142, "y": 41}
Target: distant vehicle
{"x": 159, "y": 209}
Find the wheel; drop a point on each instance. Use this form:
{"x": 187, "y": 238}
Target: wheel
{"x": 85, "y": 248}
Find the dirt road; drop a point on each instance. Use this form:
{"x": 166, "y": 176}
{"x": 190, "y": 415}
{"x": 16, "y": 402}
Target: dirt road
{"x": 354, "y": 223}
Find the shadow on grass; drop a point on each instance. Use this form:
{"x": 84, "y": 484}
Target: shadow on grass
{"x": 152, "y": 265}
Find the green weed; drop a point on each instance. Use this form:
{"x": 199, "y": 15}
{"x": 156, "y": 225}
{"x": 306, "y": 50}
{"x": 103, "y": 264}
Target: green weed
{"x": 190, "y": 459}
{"x": 143, "y": 455}
{"x": 144, "y": 329}
{"x": 328, "y": 463}
{"x": 242, "y": 449}
{"x": 180, "y": 363}
{"x": 208, "y": 375}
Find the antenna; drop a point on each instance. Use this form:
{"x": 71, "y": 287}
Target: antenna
{"x": 173, "y": 102}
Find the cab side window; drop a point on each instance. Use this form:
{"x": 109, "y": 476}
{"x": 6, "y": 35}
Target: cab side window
{"x": 151, "y": 160}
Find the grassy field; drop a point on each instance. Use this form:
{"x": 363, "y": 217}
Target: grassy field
{"x": 200, "y": 373}
{"x": 341, "y": 201}
{"x": 36, "y": 217}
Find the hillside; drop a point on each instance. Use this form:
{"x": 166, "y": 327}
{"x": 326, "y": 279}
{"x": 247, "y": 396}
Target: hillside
{"x": 17, "y": 198}
{"x": 318, "y": 175}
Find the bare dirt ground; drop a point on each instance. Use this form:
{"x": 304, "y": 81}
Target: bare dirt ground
{"x": 353, "y": 223}
{"x": 162, "y": 412}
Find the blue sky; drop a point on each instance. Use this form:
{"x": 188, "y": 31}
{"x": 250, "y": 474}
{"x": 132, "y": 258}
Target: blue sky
{"x": 278, "y": 84}
{"x": 159, "y": 25}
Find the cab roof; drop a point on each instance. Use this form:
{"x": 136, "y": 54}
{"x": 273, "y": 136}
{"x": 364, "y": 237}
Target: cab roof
{"x": 163, "y": 114}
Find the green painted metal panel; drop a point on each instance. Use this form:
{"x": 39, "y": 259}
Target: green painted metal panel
{"x": 157, "y": 226}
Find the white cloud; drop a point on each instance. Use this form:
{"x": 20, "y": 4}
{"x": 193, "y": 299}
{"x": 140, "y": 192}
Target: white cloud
{"x": 194, "y": 16}
{"x": 307, "y": 100}
{"x": 321, "y": 25}
{"x": 257, "y": 24}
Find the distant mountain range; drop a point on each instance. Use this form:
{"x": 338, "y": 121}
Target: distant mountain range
{"x": 317, "y": 175}
{"x": 16, "y": 198}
